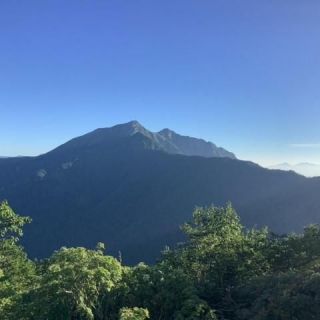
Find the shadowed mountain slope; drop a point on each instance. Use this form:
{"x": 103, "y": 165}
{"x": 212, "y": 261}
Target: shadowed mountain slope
{"x": 125, "y": 186}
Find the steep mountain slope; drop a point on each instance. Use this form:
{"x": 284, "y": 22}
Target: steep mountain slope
{"x": 123, "y": 186}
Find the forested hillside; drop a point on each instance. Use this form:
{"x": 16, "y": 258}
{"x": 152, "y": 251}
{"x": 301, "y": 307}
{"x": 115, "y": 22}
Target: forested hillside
{"x": 221, "y": 271}
{"x": 125, "y": 186}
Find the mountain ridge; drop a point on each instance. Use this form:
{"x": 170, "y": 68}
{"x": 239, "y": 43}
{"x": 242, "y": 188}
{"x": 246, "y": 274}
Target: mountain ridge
{"x": 119, "y": 187}
{"x": 172, "y": 143}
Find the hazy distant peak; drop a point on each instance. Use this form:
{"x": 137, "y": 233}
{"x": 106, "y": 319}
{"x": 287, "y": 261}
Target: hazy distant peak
{"x": 6, "y": 157}
{"x": 307, "y": 164}
{"x": 284, "y": 164}
{"x": 305, "y": 168}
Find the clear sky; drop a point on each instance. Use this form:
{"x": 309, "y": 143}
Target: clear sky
{"x": 243, "y": 74}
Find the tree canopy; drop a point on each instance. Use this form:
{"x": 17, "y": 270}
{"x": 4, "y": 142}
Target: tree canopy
{"x": 222, "y": 271}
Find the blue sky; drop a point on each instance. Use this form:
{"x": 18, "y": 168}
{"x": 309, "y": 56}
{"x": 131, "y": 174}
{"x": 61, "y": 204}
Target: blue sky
{"x": 244, "y": 74}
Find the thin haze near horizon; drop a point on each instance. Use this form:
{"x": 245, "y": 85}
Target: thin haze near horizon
{"x": 243, "y": 74}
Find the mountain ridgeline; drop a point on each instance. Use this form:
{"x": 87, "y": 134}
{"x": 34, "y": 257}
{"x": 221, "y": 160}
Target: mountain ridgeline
{"x": 131, "y": 189}
{"x": 166, "y": 140}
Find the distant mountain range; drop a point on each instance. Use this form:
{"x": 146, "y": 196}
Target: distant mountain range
{"x": 3, "y": 157}
{"x": 132, "y": 188}
{"x": 305, "y": 168}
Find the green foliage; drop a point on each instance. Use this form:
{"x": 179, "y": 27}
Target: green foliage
{"x": 74, "y": 282}
{"x": 11, "y": 225}
{"x": 222, "y": 271}
{"x": 134, "y": 314}
{"x": 220, "y": 254}
{"x": 287, "y": 296}
{"x": 223, "y": 259}
{"x": 17, "y": 272}
{"x": 165, "y": 291}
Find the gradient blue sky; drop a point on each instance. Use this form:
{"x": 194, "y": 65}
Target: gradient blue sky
{"x": 244, "y": 74}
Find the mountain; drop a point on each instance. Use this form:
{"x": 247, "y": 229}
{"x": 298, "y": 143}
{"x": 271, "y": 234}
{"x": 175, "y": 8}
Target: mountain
{"x": 193, "y": 147}
{"x": 166, "y": 140}
{"x": 131, "y": 188}
{"x": 3, "y": 157}
{"x": 304, "y": 168}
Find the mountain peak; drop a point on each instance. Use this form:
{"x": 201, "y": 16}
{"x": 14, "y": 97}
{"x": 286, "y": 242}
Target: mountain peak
{"x": 166, "y": 140}
{"x": 128, "y": 128}
{"x": 132, "y": 124}
{"x": 166, "y": 132}
{"x": 169, "y": 141}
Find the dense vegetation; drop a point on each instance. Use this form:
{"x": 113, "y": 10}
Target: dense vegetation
{"x": 222, "y": 271}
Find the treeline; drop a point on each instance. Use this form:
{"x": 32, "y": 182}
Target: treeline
{"x": 222, "y": 271}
